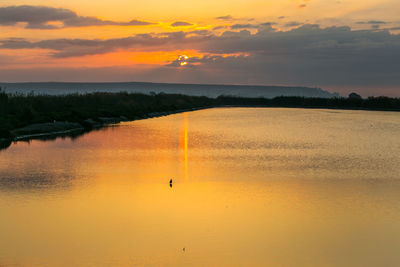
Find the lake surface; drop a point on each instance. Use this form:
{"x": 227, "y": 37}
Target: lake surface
{"x": 251, "y": 187}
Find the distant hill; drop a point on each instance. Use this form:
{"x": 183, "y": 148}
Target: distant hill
{"x": 212, "y": 90}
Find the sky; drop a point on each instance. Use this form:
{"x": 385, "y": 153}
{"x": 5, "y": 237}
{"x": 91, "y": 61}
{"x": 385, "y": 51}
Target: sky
{"x": 338, "y": 45}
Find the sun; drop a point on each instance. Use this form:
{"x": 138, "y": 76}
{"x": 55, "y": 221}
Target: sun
{"x": 182, "y": 60}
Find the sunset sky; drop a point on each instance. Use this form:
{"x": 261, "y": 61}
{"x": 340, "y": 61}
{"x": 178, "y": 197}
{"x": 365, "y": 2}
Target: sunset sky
{"x": 338, "y": 45}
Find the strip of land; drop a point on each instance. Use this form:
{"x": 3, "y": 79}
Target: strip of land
{"x": 25, "y": 117}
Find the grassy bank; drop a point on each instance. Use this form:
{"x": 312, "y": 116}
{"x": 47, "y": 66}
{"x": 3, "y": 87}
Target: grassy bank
{"x": 17, "y": 111}
{"x": 29, "y": 115}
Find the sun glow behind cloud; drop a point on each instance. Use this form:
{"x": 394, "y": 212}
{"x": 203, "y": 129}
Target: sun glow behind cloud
{"x": 245, "y": 38}
{"x": 30, "y": 58}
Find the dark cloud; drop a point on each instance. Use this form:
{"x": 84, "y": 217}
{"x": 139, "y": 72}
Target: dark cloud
{"x": 376, "y": 22}
{"x": 371, "y": 22}
{"x": 199, "y": 32}
{"x": 181, "y": 23}
{"x": 39, "y": 17}
{"x": 228, "y": 17}
{"x": 267, "y": 24}
{"x": 63, "y": 48}
{"x": 310, "y": 55}
{"x": 293, "y": 24}
{"x": 252, "y": 26}
{"x": 244, "y": 26}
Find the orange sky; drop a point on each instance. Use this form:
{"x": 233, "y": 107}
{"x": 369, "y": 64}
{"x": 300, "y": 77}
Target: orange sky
{"x": 216, "y": 17}
{"x": 202, "y": 14}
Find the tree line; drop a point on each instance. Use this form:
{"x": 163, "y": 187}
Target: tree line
{"x": 17, "y": 110}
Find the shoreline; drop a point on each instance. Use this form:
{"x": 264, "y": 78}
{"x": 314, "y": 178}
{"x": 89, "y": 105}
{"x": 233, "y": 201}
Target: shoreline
{"x": 107, "y": 121}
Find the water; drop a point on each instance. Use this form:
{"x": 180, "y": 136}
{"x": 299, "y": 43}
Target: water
{"x": 251, "y": 187}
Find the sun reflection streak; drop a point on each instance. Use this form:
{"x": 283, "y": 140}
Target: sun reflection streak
{"x": 185, "y": 125}
{"x": 184, "y": 143}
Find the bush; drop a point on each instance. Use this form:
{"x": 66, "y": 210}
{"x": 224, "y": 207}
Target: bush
{"x": 26, "y": 115}
{"x": 5, "y": 132}
{"x": 3, "y": 102}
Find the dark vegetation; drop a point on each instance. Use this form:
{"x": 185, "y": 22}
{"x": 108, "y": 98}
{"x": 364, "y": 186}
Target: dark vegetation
{"x": 371, "y": 103}
{"x": 17, "y": 111}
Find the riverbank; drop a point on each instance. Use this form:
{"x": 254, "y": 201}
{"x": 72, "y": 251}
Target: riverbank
{"x": 56, "y": 129}
{"x": 32, "y": 115}
{"x": 28, "y": 117}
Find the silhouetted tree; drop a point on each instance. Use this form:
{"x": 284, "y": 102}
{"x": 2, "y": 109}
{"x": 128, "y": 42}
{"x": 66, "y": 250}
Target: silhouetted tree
{"x": 354, "y": 96}
{"x": 3, "y": 101}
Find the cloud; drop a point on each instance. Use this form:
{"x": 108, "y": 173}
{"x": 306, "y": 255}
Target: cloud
{"x": 199, "y": 32}
{"x": 181, "y": 23}
{"x": 376, "y": 22}
{"x": 252, "y": 26}
{"x": 39, "y": 17}
{"x": 220, "y": 27}
{"x": 244, "y": 26}
{"x": 231, "y": 18}
{"x": 228, "y": 17}
{"x": 371, "y": 22}
{"x": 267, "y": 24}
{"x": 293, "y": 24}
{"x": 63, "y": 48}
{"x": 306, "y": 55}
{"x": 194, "y": 61}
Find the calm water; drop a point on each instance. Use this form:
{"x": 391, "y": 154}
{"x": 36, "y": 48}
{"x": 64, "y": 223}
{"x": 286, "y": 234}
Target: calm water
{"x": 252, "y": 187}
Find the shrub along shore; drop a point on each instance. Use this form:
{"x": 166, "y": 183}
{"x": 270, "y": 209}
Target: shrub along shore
{"x": 29, "y": 116}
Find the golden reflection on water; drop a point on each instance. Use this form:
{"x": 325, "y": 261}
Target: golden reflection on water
{"x": 185, "y": 142}
{"x": 261, "y": 187}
